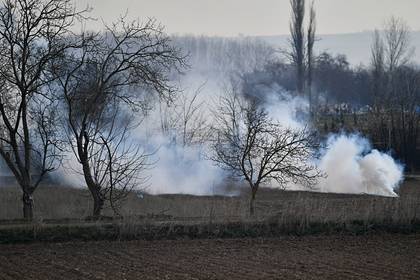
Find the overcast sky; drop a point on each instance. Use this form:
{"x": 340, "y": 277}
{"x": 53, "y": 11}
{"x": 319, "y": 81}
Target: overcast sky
{"x": 256, "y": 17}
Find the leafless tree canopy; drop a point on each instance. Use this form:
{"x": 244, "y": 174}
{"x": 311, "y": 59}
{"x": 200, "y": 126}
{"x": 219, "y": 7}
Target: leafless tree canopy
{"x": 259, "y": 150}
{"x": 32, "y": 35}
{"x": 395, "y": 88}
{"x": 397, "y": 43}
{"x": 104, "y": 78}
{"x": 185, "y": 119}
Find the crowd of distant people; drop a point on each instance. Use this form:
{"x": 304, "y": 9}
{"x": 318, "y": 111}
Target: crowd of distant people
{"x": 343, "y": 108}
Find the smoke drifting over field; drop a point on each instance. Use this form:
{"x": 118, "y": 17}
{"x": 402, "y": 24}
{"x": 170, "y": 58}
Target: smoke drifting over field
{"x": 349, "y": 163}
{"x": 183, "y": 170}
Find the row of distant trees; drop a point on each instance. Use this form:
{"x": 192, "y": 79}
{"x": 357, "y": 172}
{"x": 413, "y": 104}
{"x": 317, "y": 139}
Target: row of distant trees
{"x": 387, "y": 87}
{"x": 395, "y": 115}
{"x": 380, "y": 99}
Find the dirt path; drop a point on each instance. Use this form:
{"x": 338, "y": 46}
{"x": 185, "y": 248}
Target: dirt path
{"x": 312, "y": 257}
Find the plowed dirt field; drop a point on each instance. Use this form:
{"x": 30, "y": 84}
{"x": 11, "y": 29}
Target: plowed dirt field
{"x": 384, "y": 256}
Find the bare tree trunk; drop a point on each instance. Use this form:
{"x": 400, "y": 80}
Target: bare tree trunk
{"x": 252, "y": 201}
{"x": 98, "y": 203}
{"x": 98, "y": 200}
{"x": 95, "y": 190}
{"x": 28, "y": 205}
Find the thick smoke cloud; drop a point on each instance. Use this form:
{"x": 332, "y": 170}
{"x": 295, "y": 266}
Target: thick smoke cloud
{"x": 181, "y": 169}
{"x": 349, "y": 163}
{"x": 352, "y": 166}
{"x": 178, "y": 167}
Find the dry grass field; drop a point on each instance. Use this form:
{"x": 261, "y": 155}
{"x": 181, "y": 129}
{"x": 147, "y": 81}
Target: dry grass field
{"x": 61, "y": 215}
{"x": 57, "y": 203}
{"x": 173, "y": 223}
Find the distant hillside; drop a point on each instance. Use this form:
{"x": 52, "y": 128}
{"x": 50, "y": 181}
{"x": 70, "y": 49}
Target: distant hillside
{"x": 356, "y": 46}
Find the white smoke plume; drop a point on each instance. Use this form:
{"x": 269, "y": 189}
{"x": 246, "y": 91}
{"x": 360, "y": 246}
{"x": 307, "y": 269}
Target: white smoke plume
{"x": 182, "y": 169}
{"x": 286, "y": 109}
{"x": 348, "y": 161}
{"x": 352, "y": 166}
{"x": 180, "y": 166}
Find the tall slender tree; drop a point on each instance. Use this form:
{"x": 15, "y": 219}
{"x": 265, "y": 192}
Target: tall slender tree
{"x": 302, "y": 45}
{"x": 297, "y": 42}
{"x": 310, "y": 42}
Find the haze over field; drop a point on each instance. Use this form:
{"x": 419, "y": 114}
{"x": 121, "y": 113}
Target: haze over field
{"x": 338, "y": 31}
{"x": 181, "y": 168}
{"x": 356, "y": 46}
{"x": 250, "y": 17}
{"x": 184, "y": 97}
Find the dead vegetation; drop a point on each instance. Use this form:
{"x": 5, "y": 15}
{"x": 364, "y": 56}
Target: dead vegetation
{"x": 174, "y": 216}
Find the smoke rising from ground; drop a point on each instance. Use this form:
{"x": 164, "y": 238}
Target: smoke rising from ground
{"x": 179, "y": 163}
{"x": 349, "y": 163}
{"x": 182, "y": 170}
{"x": 353, "y": 167}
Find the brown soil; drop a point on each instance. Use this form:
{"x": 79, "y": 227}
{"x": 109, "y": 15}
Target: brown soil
{"x": 386, "y": 256}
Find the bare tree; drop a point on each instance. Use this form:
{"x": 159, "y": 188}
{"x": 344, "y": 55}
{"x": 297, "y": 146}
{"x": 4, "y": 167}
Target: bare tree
{"x": 194, "y": 125}
{"x": 377, "y": 66}
{"x": 407, "y": 116}
{"x": 185, "y": 118}
{"x": 310, "y": 42}
{"x": 302, "y": 48}
{"x": 395, "y": 90}
{"x": 107, "y": 73}
{"x": 117, "y": 163}
{"x": 397, "y": 55}
{"x": 32, "y": 35}
{"x": 397, "y": 43}
{"x": 297, "y": 43}
{"x": 379, "y": 79}
{"x": 259, "y": 150}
